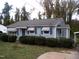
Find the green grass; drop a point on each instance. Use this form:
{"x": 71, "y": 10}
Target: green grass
{"x": 19, "y": 51}
{"x": 77, "y": 39}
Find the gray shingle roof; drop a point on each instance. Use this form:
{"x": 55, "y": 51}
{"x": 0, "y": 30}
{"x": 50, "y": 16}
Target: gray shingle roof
{"x": 44, "y": 22}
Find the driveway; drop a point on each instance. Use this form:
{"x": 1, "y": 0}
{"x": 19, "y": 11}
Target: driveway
{"x": 60, "y": 55}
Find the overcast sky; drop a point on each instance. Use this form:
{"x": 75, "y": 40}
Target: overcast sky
{"x": 29, "y": 4}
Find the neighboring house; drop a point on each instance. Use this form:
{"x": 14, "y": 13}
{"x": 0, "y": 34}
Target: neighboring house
{"x": 49, "y": 28}
{"x": 3, "y": 29}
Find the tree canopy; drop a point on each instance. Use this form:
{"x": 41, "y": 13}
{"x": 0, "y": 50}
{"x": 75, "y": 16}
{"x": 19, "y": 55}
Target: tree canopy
{"x": 60, "y": 9}
{"x": 17, "y": 15}
{"x": 24, "y": 14}
{"x": 6, "y": 13}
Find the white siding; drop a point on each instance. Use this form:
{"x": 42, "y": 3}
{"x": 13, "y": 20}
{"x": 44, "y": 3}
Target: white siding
{"x": 11, "y": 29}
{"x": 54, "y": 34}
{"x": 67, "y": 33}
{"x": 39, "y": 31}
{"x": 20, "y": 32}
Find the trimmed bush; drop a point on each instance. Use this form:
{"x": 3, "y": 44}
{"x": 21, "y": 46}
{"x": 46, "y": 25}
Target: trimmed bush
{"x": 51, "y": 42}
{"x": 32, "y": 40}
{"x": 22, "y": 39}
{"x": 27, "y": 39}
{"x": 40, "y": 40}
{"x": 7, "y": 38}
{"x": 12, "y": 38}
{"x": 66, "y": 43}
{"x": 4, "y": 37}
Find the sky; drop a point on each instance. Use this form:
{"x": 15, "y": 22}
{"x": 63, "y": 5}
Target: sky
{"x": 29, "y": 4}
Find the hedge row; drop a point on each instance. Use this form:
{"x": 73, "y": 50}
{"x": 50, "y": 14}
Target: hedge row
{"x": 35, "y": 40}
{"x": 32, "y": 40}
{"x": 7, "y": 38}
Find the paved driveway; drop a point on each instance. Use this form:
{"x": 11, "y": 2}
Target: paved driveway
{"x": 60, "y": 55}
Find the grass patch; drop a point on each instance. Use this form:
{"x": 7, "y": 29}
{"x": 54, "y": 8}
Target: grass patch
{"x": 77, "y": 39}
{"x": 11, "y": 51}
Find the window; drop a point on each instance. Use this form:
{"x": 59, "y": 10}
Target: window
{"x": 23, "y": 32}
{"x": 31, "y": 31}
{"x": 46, "y": 32}
{"x": 12, "y": 33}
{"x": 59, "y": 25}
{"x": 59, "y": 31}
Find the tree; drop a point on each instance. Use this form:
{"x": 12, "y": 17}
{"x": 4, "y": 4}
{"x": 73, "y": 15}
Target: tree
{"x": 48, "y": 7}
{"x": 6, "y": 13}
{"x": 7, "y": 22}
{"x": 78, "y": 11}
{"x": 17, "y": 15}
{"x": 72, "y": 5}
{"x": 1, "y": 17}
{"x": 57, "y": 10}
{"x": 11, "y": 20}
{"x": 63, "y": 8}
{"x": 24, "y": 14}
{"x": 39, "y": 15}
{"x": 0, "y": 22}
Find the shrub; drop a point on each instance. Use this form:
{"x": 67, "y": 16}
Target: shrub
{"x": 12, "y": 38}
{"x": 66, "y": 43}
{"x": 22, "y": 39}
{"x": 7, "y": 38}
{"x": 32, "y": 40}
{"x": 51, "y": 42}
{"x": 4, "y": 37}
{"x": 26, "y": 39}
{"x": 40, "y": 40}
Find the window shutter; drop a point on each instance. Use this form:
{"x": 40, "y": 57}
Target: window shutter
{"x": 35, "y": 30}
{"x": 17, "y": 32}
{"x": 41, "y": 31}
{"x": 50, "y": 30}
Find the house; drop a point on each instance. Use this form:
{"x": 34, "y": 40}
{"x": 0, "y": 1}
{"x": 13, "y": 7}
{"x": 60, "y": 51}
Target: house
{"x": 49, "y": 28}
{"x": 3, "y": 29}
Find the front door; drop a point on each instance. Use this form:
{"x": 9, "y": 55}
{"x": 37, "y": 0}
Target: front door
{"x": 23, "y": 32}
{"x": 59, "y": 33}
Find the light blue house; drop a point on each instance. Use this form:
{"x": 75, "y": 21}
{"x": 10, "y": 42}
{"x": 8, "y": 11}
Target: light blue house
{"x": 49, "y": 28}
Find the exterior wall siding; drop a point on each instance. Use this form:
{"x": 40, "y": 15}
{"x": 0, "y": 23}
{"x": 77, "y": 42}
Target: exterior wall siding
{"x": 52, "y": 32}
{"x": 39, "y": 32}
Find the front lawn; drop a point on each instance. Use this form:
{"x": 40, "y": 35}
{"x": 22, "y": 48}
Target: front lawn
{"x": 77, "y": 39}
{"x": 19, "y": 51}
